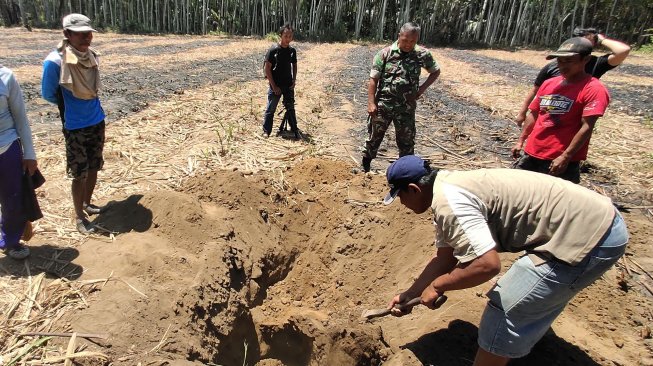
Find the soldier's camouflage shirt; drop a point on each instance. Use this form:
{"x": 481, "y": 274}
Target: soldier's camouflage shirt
{"x": 402, "y": 70}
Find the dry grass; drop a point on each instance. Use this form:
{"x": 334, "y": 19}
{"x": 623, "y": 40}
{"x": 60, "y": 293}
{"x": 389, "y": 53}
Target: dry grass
{"x": 39, "y": 308}
{"x": 215, "y": 127}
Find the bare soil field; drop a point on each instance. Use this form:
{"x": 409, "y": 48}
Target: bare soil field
{"x": 221, "y": 247}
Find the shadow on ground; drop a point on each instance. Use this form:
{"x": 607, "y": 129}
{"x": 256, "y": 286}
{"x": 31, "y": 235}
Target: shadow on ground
{"x": 457, "y": 345}
{"x": 56, "y": 262}
{"x": 125, "y": 216}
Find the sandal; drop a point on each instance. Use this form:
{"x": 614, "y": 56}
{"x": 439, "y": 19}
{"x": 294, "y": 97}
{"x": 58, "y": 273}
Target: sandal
{"x": 85, "y": 227}
{"x": 92, "y": 209}
{"x": 19, "y": 252}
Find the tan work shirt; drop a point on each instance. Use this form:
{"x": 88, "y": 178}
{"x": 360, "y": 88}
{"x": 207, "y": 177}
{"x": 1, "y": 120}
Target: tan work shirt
{"x": 513, "y": 210}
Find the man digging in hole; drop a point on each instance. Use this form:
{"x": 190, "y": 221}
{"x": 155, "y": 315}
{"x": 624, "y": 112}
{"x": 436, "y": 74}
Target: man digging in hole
{"x": 71, "y": 80}
{"x": 570, "y": 236}
{"x": 393, "y": 91}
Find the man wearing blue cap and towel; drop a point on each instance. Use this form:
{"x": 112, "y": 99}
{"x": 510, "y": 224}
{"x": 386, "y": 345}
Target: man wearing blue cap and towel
{"x": 570, "y": 236}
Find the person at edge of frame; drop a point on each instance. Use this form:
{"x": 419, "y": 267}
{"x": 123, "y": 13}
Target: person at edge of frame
{"x": 570, "y": 236}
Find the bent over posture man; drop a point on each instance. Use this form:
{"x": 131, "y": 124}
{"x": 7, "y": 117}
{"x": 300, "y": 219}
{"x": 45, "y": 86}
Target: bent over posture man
{"x": 393, "y": 91}
{"x": 570, "y": 235}
{"x": 71, "y": 80}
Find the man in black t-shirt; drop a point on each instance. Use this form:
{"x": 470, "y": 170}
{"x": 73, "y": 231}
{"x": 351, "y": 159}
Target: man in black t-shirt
{"x": 281, "y": 72}
{"x": 596, "y": 66}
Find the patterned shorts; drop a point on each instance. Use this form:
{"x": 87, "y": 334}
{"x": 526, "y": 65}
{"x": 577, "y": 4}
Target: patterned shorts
{"x": 84, "y": 150}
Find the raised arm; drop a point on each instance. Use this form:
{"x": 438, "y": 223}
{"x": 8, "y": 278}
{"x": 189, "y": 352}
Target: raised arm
{"x": 619, "y": 49}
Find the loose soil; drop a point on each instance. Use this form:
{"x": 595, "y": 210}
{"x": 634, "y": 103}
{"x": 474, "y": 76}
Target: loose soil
{"x": 232, "y": 249}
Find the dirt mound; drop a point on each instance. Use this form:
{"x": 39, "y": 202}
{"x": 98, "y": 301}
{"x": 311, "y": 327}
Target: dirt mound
{"x": 276, "y": 270}
{"x": 215, "y": 265}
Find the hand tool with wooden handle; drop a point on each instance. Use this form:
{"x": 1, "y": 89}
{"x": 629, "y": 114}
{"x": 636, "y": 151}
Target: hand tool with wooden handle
{"x": 376, "y": 313}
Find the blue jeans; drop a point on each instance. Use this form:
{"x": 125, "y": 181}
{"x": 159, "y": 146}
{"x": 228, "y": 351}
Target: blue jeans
{"x": 288, "y": 102}
{"x": 12, "y": 217}
{"x": 528, "y": 298}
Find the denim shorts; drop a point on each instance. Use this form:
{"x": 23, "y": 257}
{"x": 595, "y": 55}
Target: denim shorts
{"x": 528, "y": 298}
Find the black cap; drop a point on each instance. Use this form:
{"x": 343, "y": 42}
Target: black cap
{"x": 572, "y": 46}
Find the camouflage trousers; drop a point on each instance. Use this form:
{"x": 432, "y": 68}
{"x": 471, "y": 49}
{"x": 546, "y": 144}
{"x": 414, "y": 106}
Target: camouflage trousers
{"x": 403, "y": 117}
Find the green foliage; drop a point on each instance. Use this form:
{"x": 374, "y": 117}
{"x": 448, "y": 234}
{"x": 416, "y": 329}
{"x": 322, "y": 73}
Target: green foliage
{"x": 218, "y": 33}
{"x": 272, "y": 37}
{"x": 647, "y": 121}
{"x": 132, "y": 26}
{"x": 647, "y": 47}
{"x": 494, "y": 23}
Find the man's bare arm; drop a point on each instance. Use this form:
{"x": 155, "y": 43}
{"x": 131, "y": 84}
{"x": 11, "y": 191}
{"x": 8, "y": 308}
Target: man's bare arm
{"x": 559, "y": 164}
{"x": 371, "y": 96}
{"x": 521, "y": 116}
{"x": 430, "y": 80}
{"x": 619, "y": 50}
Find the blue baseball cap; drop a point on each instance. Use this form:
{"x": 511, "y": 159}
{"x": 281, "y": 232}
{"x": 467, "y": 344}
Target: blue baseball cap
{"x": 407, "y": 169}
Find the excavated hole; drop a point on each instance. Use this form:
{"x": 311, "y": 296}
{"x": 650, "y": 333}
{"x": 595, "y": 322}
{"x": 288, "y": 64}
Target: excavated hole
{"x": 287, "y": 344}
{"x": 271, "y": 292}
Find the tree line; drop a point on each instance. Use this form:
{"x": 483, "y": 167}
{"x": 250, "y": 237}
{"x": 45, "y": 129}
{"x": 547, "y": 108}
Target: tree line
{"x": 484, "y": 22}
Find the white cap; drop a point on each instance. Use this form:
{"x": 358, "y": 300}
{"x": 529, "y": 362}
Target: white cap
{"x": 77, "y": 23}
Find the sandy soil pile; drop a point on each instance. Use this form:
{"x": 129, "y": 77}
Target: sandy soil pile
{"x": 281, "y": 266}
{"x": 277, "y": 271}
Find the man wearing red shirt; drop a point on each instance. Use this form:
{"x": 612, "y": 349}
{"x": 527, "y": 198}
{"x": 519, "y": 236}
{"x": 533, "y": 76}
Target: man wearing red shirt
{"x": 563, "y": 115}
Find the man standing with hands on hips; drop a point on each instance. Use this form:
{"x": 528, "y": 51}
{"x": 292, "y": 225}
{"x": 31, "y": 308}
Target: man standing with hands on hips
{"x": 71, "y": 80}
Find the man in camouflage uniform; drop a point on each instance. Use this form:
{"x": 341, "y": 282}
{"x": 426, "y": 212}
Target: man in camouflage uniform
{"x": 393, "y": 91}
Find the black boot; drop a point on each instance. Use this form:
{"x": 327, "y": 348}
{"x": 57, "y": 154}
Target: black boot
{"x": 365, "y": 164}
